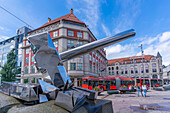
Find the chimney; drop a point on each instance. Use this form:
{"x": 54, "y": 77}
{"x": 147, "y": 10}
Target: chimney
{"x": 49, "y": 19}
{"x": 71, "y": 11}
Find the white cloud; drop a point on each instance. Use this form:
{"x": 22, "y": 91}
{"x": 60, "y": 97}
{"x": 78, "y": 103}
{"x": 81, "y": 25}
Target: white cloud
{"x": 151, "y": 46}
{"x": 1, "y": 28}
{"x": 165, "y": 36}
{"x": 127, "y": 15}
{"x": 89, "y": 10}
{"x": 3, "y": 38}
{"x": 106, "y": 30}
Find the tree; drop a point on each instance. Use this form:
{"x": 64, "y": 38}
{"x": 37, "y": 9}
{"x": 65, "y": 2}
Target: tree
{"x": 10, "y": 69}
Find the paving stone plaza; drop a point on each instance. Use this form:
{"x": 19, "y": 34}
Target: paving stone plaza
{"x": 155, "y": 102}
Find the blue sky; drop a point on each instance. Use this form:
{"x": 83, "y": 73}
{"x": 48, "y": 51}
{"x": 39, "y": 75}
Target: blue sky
{"x": 150, "y": 19}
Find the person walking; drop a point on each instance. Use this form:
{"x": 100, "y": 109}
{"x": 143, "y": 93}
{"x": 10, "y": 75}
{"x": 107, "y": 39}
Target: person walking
{"x": 139, "y": 90}
{"x": 144, "y": 89}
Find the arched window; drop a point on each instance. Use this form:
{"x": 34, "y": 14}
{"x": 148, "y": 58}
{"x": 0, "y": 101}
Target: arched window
{"x": 131, "y": 71}
{"x": 136, "y": 71}
{"x": 117, "y": 68}
{"x": 112, "y": 68}
{"x": 154, "y": 65}
{"x": 126, "y": 72}
{"x": 109, "y": 68}
{"x": 117, "y": 72}
{"x": 154, "y": 76}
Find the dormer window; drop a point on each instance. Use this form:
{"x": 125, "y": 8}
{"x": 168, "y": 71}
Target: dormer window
{"x": 122, "y": 62}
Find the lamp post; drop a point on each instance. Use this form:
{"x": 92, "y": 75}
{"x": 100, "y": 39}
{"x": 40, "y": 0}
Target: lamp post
{"x": 134, "y": 69}
{"x": 142, "y": 61}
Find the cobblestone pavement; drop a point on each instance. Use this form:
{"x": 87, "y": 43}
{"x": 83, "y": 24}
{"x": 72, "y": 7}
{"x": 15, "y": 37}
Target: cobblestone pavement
{"x": 155, "y": 102}
{"x": 11, "y": 105}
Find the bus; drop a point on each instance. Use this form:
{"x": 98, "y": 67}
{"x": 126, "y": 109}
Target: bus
{"x": 154, "y": 82}
{"x": 107, "y": 83}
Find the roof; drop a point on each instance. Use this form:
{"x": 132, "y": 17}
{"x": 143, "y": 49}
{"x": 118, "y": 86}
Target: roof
{"x": 129, "y": 59}
{"x": 158, "y": 55}
{"x": 69, "y": 17}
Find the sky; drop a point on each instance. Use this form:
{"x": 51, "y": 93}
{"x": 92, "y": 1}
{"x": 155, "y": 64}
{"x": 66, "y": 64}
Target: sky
{"x": 149, "y": 18}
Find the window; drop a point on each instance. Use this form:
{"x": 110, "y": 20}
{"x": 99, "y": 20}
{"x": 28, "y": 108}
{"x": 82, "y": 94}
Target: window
{"x": 122, "y": 62}
{"x": 79, "y": 66}
{"x": 131, "y": 62}
{"x": 121, "y": 67}
{"x": 147, "y": 70}
{"x": 70, "y": 33}
{"x": 79, "y": 43}
{"x": 90, "y": 67}
{"x": 109, "y": 68}
{"x": 90, "y": 39}
{"x": 26, "y": 60}
{"x": 146, "y": 65}
{"x": 32, "y": 69}
{"x": 154, "y": 76}
{"x": 125, "y": 62}
{"x": 109, "y": 64}
{"x": 117, "y": 68}
{"x": 160, "y": 70}
{"x": 27, "y": 43}
{"x": 26, "y": 70}
{"x": 145, "y": 60}
{"x": 117, "y": 72}
{"x": 79, "y": 34}
{"x": 93, "y": 59}
{"x": 122, "y": 72}
{"x": 142, "y": 71}
{"x": 136, "y": 71}
{"x": 27, "y": 51}
{"x": 154, "y": 70}
{"x": 126, "y": 72}
{"x": 154, "y": 65}
{"x": 90, "y": 57}
{"x": 113, "y": 82}
{"x": 6, "y": 48}
{"x": 32, "y": 59}
{"x": 55, "y": 33}
{"x": 109, "y": 73}
{"x": 112, "y": 68}
{"x": 73, "y": 66}
{"x": 153, "y": 60}
{"x": 131, "y": 66}
{"x": 112, "y": 64}
{"x": 125, "y": 67}
{"x": 56, "y": 43}
{"x": 112, "y": 72}
{"x": 142, "y": 65}
{"x": 94, "y": 69}
{"x": 131, "y": 71}
{"x": 70, "y": 44}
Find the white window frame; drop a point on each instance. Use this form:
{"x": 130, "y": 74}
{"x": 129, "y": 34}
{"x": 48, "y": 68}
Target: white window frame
{"x": 70, "y": 33}
{"x": 80, "y": 34}
{"x": 55, "y": 33}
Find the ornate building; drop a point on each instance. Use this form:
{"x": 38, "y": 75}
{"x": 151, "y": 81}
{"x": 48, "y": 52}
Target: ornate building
{"x": 149, "y": 67}
{"x": 66, "y": 32}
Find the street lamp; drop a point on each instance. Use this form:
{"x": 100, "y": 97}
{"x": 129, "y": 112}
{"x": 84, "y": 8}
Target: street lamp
{"x": 142, "y": 61}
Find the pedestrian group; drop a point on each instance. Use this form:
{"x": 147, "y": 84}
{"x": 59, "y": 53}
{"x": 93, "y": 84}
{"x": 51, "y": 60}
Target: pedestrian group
{"x": 142, "y": 89}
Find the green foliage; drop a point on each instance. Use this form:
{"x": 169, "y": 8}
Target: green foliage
{"x": 9, "y": 70}
{"x": 97, "y": 89}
